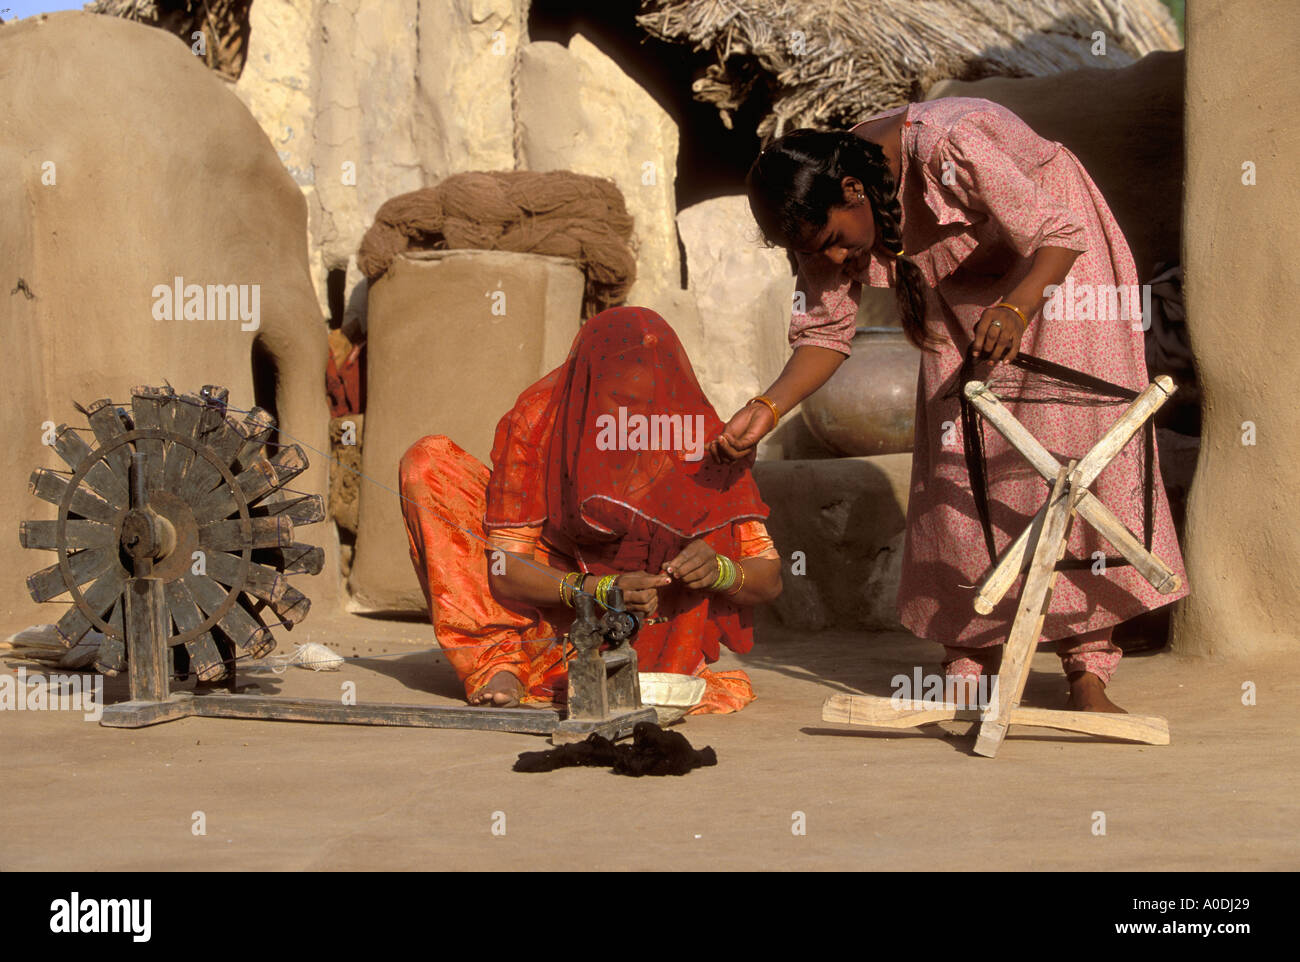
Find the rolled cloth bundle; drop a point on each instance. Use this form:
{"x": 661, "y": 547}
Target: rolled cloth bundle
{"x": 557, "y": 213}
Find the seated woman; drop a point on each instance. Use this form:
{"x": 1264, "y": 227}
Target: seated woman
{"x": 598, "y": 470}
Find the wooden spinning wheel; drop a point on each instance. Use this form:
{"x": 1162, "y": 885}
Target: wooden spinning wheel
{"x": 174, "y": 524}
{"x": 174, "y": 538}
{"x": 1037, "y": 552}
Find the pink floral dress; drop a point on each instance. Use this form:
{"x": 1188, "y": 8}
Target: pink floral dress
{"x": 980, "y": 193}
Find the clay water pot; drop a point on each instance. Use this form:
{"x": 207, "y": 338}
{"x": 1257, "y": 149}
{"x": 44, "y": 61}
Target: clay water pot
{"x": 869, "y": 405}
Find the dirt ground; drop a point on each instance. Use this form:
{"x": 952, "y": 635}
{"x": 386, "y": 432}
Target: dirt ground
{"x": 289, "y": 796}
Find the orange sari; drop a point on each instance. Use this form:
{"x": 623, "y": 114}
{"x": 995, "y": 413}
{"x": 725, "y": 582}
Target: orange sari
{"x": 617, "y": 522}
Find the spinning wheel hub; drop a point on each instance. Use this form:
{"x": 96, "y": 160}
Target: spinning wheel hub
{"x": 172, "y": 521}
{"x": 147, "y": 536}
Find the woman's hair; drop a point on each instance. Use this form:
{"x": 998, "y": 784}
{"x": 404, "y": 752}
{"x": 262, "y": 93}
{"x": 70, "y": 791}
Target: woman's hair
{"x": 798, "y": 178}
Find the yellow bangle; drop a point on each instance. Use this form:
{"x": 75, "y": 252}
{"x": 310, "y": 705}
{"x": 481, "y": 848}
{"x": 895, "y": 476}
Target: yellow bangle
{"x": 1018, "y": 312}
{"x": 567, "y": 597}
{"x": 602, "y": 589}
{"x": 761, "y": 399}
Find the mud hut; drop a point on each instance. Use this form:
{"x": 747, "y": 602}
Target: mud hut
{"x": 223, "y": 24}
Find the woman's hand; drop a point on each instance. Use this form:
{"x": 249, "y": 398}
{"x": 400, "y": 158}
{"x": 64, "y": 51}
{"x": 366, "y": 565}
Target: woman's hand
{"x": 1001, "y": 341}
{"x": 998, "y": 333}
{"x": 746, "y": 428}
{"x": 641, "y": 590}
{"x": 695, "y": 566}
{"x": 808, "y": 369}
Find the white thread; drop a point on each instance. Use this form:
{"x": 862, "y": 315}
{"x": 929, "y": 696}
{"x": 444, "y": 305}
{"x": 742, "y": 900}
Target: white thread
{"x": 311, "y": 655}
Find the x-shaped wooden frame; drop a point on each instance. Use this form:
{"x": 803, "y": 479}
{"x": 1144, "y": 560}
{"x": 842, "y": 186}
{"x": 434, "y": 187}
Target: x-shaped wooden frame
{"x": 1049, "y": 533}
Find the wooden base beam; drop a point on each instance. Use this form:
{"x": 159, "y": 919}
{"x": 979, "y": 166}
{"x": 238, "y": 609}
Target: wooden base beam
{"x": 877, "y": 711}
{"x": 528, "y": 721}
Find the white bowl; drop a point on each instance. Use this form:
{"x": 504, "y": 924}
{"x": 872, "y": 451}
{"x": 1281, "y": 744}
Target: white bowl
{"x": 671, "y": 695}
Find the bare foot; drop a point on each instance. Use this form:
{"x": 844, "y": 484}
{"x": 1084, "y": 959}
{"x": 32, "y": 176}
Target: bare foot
{"x": 502, "y": 691}
{"x": 1088, "y": 693}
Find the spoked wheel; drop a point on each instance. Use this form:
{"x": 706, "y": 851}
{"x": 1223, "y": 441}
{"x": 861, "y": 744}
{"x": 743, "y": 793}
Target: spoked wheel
{"x": 182, "y": 491}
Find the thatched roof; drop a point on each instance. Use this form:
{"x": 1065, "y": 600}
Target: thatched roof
{"x": 829, "y": 63}
{"x": 223, "y": 23}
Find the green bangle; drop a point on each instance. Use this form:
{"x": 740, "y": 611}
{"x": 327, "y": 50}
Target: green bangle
{"x": 726, "y": 574}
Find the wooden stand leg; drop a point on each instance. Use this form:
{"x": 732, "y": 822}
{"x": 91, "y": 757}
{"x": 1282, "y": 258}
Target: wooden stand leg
{"x": 1028, "y": 625}
{"x": 147, "y": 624}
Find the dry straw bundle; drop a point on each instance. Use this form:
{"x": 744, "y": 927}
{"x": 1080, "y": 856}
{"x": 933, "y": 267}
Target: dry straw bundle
{"x": 829, "y": 63}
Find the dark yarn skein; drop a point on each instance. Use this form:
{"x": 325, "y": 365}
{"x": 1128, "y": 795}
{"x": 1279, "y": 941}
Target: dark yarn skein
{"x": 653, "y": 752}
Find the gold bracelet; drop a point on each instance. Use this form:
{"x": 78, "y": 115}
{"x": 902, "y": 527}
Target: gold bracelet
{"x": 1018, "y": 312}
{"x": 771, "y": 406}
{"x": 740, "y": 566}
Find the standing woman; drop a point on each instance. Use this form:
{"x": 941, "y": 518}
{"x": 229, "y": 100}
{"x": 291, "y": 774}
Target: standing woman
{"x": 971, "y": 217}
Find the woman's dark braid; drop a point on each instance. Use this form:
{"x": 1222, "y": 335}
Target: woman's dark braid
{"x": 882, "y": 194}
